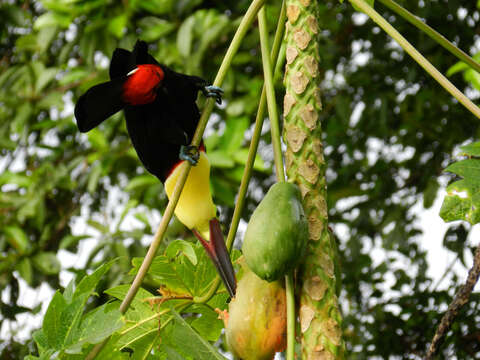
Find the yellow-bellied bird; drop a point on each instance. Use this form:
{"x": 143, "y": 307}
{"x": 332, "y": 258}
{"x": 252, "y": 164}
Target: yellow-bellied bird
{"x": 162, "y": 115}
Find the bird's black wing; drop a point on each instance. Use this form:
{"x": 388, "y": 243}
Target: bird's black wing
{"x": 99, "y": 103}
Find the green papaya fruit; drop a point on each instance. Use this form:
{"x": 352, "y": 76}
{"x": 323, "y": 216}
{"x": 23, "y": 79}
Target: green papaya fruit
{"x": 277, "y": 233}
{"x": 257, "y": 318}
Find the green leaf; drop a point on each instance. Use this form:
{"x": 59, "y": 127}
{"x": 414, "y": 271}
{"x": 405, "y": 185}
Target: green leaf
{"x": 143, "y": 345}
{"x": 141, "y": 325}
{"x": 234, "y": 134}
{"x": 97, "y": 325}
{"x": 141, "y": 181}
{"x": 117, "y": 25}
{"x": 72, "y": 75}
{"x": 472, "y": 77}
{"x": 94, "y": 177}
{"x": 241, "y": 157}
{"x": 52, "y": 328}
{"x": 100, "y": 227}
{"x": 50, "y": 19}
{"x": 89, "y": 282}
{"x": 24, "y": 268}
{"x": 179, "y": 275}
{"x": 469, "y": 169}
{"x": 208, "y": 325}
{"x": 153, "y": 28}
{"x": 8, "y": 177}
{"x": 196, "y": 346}
{"x": 71, "y": 240}
{"x": 41, "y": 340}
{"x": 185, "y": 36}
{"x": 430, "y": 193}
{"x": 459, "y": 66}
{"x": 119, "y": 292}
{"x": 44, "y": 78}
{"x": 17, "y": 238}
{"x": 177, "y": 247}
{"x": 47, "y": 263}
{"x": 462, "y": 201}
{"x": 61, "y": 325}
{"x": 221, "y": 159}
{"x": 472, "y": 149}
{"x": 98, "y": 139}
{"x": 157, "y": 7}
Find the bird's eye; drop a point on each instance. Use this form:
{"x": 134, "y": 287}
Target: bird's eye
{"x": 132, "y": 72}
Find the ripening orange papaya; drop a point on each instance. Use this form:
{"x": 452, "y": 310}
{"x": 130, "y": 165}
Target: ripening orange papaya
{"x": 257, "y": 320}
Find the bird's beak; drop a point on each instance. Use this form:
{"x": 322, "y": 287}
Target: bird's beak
{"x": 218, "y": 252}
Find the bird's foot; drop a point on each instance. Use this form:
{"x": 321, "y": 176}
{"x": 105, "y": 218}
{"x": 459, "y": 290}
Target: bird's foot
{"x": 189, "y": 153}
{"x": 213, "y": 91}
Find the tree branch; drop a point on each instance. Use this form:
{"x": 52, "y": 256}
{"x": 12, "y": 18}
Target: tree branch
{"x": 460, "y": 299}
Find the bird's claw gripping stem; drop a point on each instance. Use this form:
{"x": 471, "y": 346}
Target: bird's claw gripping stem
{"x": 213, "y": 91}
{"x": 189, "y": 153}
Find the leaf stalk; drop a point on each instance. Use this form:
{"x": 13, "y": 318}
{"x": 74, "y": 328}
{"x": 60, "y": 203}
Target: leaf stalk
{"x": 415, "y": 54}
{"x": 432, "y": 33}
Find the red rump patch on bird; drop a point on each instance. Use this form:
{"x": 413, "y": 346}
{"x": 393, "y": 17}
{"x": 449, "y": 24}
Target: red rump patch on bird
{"x": 142, "y": 83}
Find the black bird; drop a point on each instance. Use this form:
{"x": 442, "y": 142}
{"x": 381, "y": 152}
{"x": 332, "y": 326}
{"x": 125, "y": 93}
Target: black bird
{"x": 162, "y": 115}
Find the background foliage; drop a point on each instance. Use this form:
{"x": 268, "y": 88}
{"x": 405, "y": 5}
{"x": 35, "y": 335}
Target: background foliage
{"x": 389, "y": 133}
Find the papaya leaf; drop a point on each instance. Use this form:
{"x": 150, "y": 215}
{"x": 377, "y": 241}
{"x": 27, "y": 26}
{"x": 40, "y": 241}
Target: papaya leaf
{"x": 52, "y": 327}
{"x": 462, "y": 201}
{"x": 143, "y": 346}
{"x": 196, "y": 347}
{"x": 165, "y": 273}
{"x": 62, "y": 328}
{"x": 89, "y": 282}
{"x": 208, "y": 325}
{"x": 140, "y": 318}
{"x": 472, "y": 149}
{"x": 142, "y": 322}
{"x": 179, "y": 246}
{"x": 96, "y": 326}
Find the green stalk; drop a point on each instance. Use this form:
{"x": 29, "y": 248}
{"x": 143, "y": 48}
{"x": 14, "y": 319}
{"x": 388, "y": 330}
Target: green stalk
{"x": 147, "y": 261}
{"x": 252, "y": 152}
{"x": 277, "y": 149}
{"x": 271, "y": 102}
{"x": 432, "y": 33}
{"x": 419, "y": 58}
{"x": 247, "y": 20}
{"x": 290, "y": 290}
